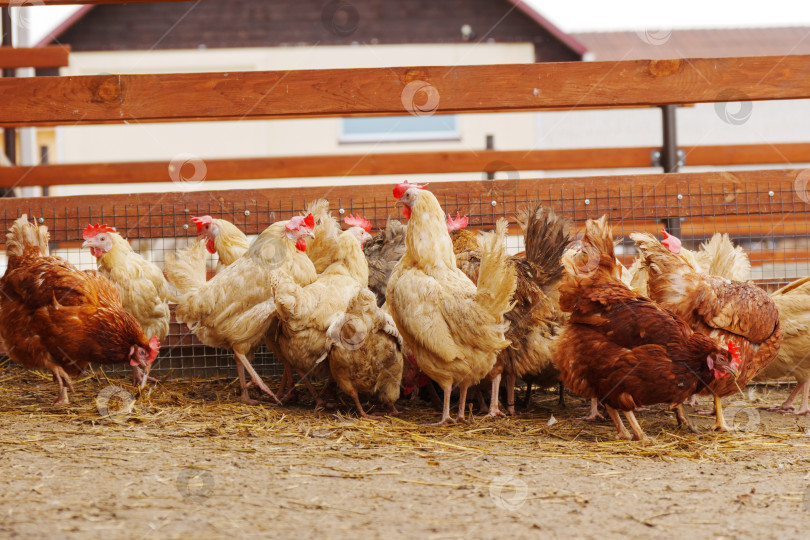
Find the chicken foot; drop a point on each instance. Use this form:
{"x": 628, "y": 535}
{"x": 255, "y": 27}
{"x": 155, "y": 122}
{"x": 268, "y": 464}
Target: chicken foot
{"x": 511, "y": 380}
{"x": 720, "y": 422}
{"x": 462, "y": 400}
{"x": 622, "y": 432}
{"x": 683, "y": 420}
{"x": 494, "y": 409}
{"x": 446, "y": 419}
{"x": 242, "y": 361}
{"x": 787, "y": 406}
{"x": 63, "y": 380}
{"x": 638, "y": 433}
{"x": 594, "y": 414}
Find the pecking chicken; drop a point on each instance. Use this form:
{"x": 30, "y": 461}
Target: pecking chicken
{"x": 306, "y": 312}
{"x": 383, "y": 252}
{"x": 722, "y": 309}
{"x": 454, "y": 328}
{"x": 144, "y": 291}
{"x": 793, "y": 302}
{"x": 222, "y": 238}
{"x": 235, "y": 308}
{"x": 536, "y": 319}
{"x": 366, "y": 357}
{"x": 56, "y": 317}
{"x": 621, "y": 347}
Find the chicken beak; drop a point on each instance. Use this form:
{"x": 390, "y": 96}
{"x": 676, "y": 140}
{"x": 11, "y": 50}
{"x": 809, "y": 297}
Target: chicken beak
{"x": 309, "y": 233}
{"x": 144, "y": 376}
{"x": 86, "y": 244}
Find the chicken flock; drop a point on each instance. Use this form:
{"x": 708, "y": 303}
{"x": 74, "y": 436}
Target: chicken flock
{"x": 421, "y": 306}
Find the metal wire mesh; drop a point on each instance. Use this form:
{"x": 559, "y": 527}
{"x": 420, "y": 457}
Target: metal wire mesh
{"x": 769, "y": 221}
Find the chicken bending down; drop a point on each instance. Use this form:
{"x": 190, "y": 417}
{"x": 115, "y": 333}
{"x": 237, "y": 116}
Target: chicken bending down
{"x": 305, "y": 313}
{"x": 366, "y": 356}
{"x": 144, "y": 291}
{"x": 536, "y": 319}
{"x": 235, "y": 308}
{"x": 454, "y": 328}
{"x": 621, "y": 347}
{"x": 717, "y": 307}
{"x": 56, "y": 317}
{"x": 793, "y": 302}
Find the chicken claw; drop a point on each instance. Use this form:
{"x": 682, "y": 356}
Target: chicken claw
{"x": 594, "y": 414}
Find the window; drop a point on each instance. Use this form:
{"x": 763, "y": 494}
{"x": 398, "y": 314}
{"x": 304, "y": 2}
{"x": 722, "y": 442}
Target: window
{"x": 399, "y": 129}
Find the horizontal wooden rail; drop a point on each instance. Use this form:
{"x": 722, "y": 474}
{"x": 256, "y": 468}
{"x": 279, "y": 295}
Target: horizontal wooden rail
{"x": 482, "y": 161}
{"x": 37, "y": 57}
{"x": 700, "y": 197}
{"x": 398, "y": 90}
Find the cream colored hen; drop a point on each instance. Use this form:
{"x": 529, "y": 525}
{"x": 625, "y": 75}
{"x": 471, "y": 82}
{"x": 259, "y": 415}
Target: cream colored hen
{"x": 454, "y": 328}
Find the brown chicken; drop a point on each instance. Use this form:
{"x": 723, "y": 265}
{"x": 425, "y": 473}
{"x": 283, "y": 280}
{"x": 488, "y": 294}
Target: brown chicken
{"x": 56, "y": 317}
{"x": 383, "y": 252}
{"x": 536, "y": 319}
{"x": 717, "y": 307}
{"x": 365, "y": 356}
{"x": 621, "y": 347}
{"x": 454, "y": 328}
{"x": 793, "y": 302}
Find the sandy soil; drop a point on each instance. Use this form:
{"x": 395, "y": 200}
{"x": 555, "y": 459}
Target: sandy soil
{"x": 189, "y": 461}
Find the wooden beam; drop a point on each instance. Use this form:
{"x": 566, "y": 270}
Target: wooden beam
{"x": 623, "y": 197}
{"x": 398, "y": 91}
{"x": 480, "y": 162}
{"x": 37, "y": 57}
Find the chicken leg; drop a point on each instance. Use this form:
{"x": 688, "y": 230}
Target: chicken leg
{"x": 720, "y": 424}
{"x": 63, "y": 380}
{"x": 614, "y": 415}
{"x": 594, "y": 414}
{"x": 446, "y": 419}
{"x": 511, "y": 380}
{"x": 638, "y": 433}
{"x": 683, "y": 420}
{"x": 462, "y": 400}
{"x": 787, "y": 406}
{"x": 242, "y": 360}
{"x": 494, "y": 410}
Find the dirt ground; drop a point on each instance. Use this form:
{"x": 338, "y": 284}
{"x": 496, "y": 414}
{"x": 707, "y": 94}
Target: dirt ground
{"x": 188, "y": 461}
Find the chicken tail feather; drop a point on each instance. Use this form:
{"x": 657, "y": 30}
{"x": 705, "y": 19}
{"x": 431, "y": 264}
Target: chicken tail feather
{"x": 23, "y": 234}
{"x": 185, "y": 270}
{"x": 546, "y": 239}
{"x": 496, "y": 279}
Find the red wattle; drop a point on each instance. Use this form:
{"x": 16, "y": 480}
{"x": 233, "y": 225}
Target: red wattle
{"x": 406, "y": 212}
{"x": 210, "y": 246}
{"x": 301, "y": 244}
{"x": 720, "y": 374}
{"x": 97, "y": 253}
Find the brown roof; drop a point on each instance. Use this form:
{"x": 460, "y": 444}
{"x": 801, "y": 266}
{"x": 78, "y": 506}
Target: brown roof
{"x": 708, "y": 43}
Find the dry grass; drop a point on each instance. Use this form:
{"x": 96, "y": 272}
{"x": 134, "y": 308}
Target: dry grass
{"x": 208, "y": 410}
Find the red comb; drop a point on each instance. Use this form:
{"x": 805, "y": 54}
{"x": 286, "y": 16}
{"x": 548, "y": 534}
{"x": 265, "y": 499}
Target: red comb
{"x": 458, "y": 223}
{"x": 93, "y": 230}
{"x": 735, "y": 354}
{"x": 200, "y": 221}
{"x": 154, "y": 347}
{"x": 357, "y": 221}
{"x": 673, "y": 243}
{"x": 295, "y": 223}
{"x": 400, "y": 189}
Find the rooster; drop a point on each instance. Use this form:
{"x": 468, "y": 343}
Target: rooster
{"x": 454, "y": 328}
{"x": 793, "y": 302}
{"x": 235, "y": 309}
{"x": 56, "y": 317}
{"x": 621, "y": 347}
{"x": 305, "y": 312}
{"x": 536, "y": 320}
{"x": 222, "y": 238}
{"x": 720, "y": 308}
{"x": 143, "y": 288}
